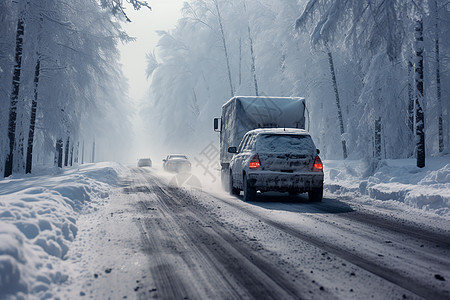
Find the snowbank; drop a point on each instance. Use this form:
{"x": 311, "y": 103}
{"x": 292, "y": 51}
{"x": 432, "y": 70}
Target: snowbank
{"x": 394, "y": 180}
{"x": 38, "y": 215}
{"x": 38, "y": 212}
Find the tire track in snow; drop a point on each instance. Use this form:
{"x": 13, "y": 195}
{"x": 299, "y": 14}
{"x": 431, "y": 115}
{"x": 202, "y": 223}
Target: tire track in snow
{"x": 441, "y": 240}
{"x": 232, "y": 267}
{"x": 389, "y": 273}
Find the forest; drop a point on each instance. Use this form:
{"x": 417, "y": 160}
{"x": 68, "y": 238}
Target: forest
{"x": 374, "y": 73}
{"x": 62, "y": 91}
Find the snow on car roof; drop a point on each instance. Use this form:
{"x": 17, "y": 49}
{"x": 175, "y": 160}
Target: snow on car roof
{"x": 279, "y": 131}
{"x": 177, "y": 156}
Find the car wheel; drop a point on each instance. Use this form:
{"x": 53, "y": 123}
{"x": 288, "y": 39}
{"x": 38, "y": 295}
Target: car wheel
{"x": 316, "y": 194}
{"x": 231, "y": 189}
{"x": 249, "y": 192}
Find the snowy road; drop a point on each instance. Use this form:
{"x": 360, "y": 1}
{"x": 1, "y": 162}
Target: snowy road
{"x": 171, "y": 243}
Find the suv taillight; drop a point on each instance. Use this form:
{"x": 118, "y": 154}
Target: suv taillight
{"x": 318, "y": 166}
{"x": 254, "y": 162}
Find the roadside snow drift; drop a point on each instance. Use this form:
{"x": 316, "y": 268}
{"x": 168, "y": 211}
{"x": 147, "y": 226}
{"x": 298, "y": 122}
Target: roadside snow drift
{"x": 394, "y": 180}
{"x": 38, "y": 222}
{"x": 38, "y": 213}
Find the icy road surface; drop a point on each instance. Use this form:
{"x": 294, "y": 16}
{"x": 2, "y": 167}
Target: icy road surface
{"x": 155, "y": 241}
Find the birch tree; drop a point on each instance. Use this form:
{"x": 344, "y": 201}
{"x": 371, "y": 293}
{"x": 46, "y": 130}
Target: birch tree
{"x": 420, "y": 118}
{"x": 225, "y": 48}
{"x": 322, "y": 35}
{"x": 65, "y": 72}
{"x": 373, "y": 35}
{"x": 252, "y": 54}
{"x": 359, "y": 79}
{"x": 14, "y": 98}
{"x": 438, "y": 78}
{"x": 204, "y": 17}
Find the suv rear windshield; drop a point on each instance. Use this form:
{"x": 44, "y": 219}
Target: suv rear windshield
{"x": 178, "y": 156}
{"x": 285, "y": 143}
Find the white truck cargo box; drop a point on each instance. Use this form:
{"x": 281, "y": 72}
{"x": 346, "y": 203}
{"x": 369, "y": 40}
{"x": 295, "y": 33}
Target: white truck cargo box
{"x": 244, "y": 113}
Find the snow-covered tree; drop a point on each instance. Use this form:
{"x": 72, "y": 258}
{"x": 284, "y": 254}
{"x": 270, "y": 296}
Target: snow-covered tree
{"x": 352, "y": 60}
{"x": 71, "y": 83}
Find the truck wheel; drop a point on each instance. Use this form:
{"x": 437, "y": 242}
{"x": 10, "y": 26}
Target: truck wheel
{"x": 224, "y": 179}
{"x": 233, "y": 191}
{"x": 249, "y": 192}
{"x": 316, "y": 194}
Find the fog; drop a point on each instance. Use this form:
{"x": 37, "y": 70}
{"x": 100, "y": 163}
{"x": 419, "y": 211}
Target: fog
{"x": 358, "y": 87}
{"x": 144, "y": 26}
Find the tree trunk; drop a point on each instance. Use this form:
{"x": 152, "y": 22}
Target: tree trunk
{"x": 252, "y": 53}
{"x": 411, "y": 101}
{"x": 82, "y": 153}
{"x": 19, "y": 159}
{"x": 77, "y": 152}
{"x": 93, "y": 152}
{"x": 438, "y": 82}
{"x": 253, "y": 61}
{"x": 59, "y": 153}
{"x": 240, "y": 61}
{"x": 338, "y": 103}
{"x": 420, "y": 120}
{"x": 224, "y": 48}
{"x": 195, "y": 108}
{"x": 71, "y": 155}
{"x": 14, "y": 96}
{"x": 410, "y": 97}
{"x": 33, "y": 118}
{"x": 66, "y": 154}
{"x": 378, "y": 138}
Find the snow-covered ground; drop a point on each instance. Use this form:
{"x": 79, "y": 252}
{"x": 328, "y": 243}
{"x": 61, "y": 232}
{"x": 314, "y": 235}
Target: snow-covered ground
{"x": 394, "y": 181}
{"x": 38, "y": 223}
{"x": 39, "y": 212}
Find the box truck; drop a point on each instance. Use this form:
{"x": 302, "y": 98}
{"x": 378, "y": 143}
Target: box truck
{"x": 244, "y": 113}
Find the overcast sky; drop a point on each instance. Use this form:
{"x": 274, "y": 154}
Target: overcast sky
{"x": 144, "y": 23}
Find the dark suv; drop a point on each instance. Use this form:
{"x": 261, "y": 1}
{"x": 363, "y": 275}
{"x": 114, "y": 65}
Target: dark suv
{"x": 276, "y": 159}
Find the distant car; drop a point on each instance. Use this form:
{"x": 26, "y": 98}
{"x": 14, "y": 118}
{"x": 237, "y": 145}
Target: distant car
{"x": 144, "y": 162}
{"x": 176, "y": 163}
{"x": 275, "y": 159}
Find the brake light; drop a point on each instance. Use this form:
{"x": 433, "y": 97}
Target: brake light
{"x": 318, "y": 166}
{"x": 254, "y": 162}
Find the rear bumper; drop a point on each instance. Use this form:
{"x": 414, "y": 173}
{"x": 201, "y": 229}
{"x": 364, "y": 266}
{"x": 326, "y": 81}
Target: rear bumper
{"x": 285, "y": 182}
{"x": 177, "y": 168}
